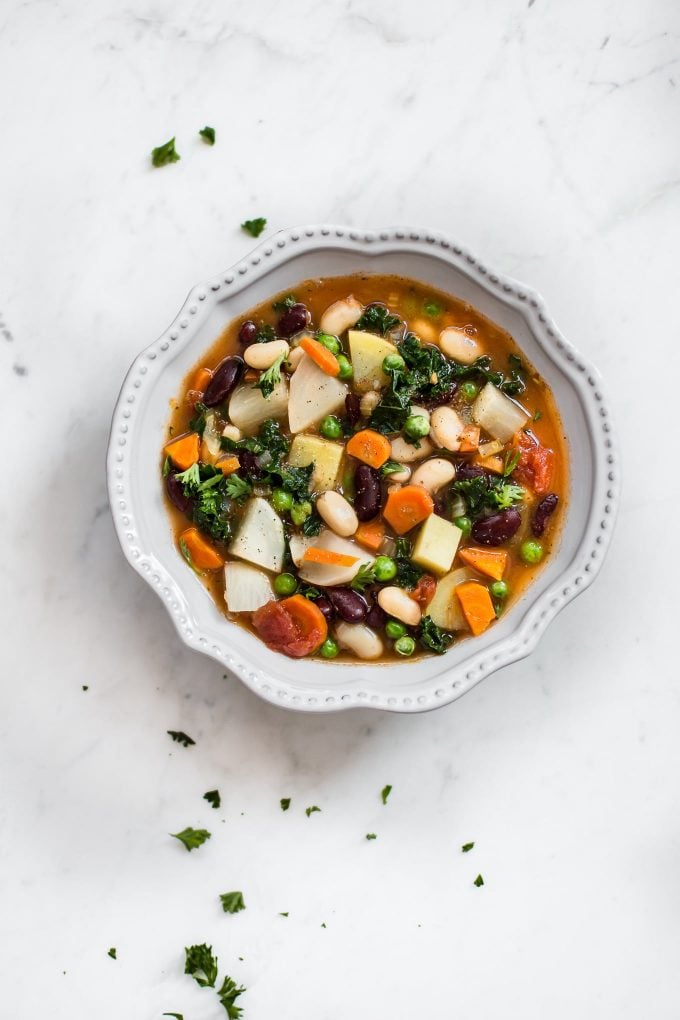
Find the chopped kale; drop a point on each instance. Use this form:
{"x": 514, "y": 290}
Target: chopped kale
{"x": 311, "y": 526}
{"x": 488, "y": 492}
{"x": 377, "y": 319}
{"x": 265, "y": 333}
{"x": 197, "y": 423}
{"x": 433, "y": 637}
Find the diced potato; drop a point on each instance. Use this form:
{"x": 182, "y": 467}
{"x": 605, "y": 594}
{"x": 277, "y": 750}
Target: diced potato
{"x": 367, "y": 352}
{"x": 500, "y": 416}
{"x": 313, "y": 395}
{"x": 248, "y": 408}
{"x": 245, "y": 588}
{"x": 436, "y": 545}
{"x": 445, "y": 609}
{"x": 260, "y": 538}
{"x": 325, "y": 456}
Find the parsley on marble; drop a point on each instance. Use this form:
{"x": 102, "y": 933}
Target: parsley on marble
{"x": 254, "y": 227}
{"x": 201, "y": 964}
{"x": 285, "y": 803}
{"x": 283, "y": 913}
{"x": 310, "y": 810}
{"x": 385, "y": 792}
{"x": 467, "y": 847}
{"x": 371, "y": 835}
{"x": 479, "y": 881}
{"x": 191, "y": 838}
{"x": 213, "y": 798}
{"x": 232, "y": 902}
{"x": 181, "y": 738}
{"x": 208, "y": 135}
{"x": 164, "y": 154}
{"x": 228, "y": 994}
{"x": 112, "y": 953}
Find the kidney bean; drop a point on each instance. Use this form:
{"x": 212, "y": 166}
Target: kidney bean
{"x": 376, "y": 618}
{"x": 175, "y": 492}
{"x": 545, "y": 508}
{"x": 226, "y": 375}
{"x": 325, "y": 606}
{"x": 349, "y": 605}
{"x": 497, "y": 528}
{"x": 465, "y": 470}
{"x": 247, "y": 332}
{"x": 368, "y": 493}
{"x": 250, "y": 467}
{"x": 293, "y": 320}
{"x": 353, "y": 408}
{"x": 443, "y": 398}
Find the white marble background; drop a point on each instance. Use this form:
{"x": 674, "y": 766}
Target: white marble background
{"x": 544, "y": 135}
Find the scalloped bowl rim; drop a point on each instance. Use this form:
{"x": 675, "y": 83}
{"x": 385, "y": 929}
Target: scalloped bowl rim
{"x": 231, "y": 645}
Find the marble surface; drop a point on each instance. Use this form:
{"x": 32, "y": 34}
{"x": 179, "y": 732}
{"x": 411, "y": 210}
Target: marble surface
{"x": 542, "y": 135}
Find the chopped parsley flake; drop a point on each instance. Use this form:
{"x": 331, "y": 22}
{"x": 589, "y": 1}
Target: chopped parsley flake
{"x": 479, "y": 881}
{"x": 283, "y": 913}
{"x": 371, "y": 835}
{"x": 385, "y": 792}
{"x": 208, "y": 135}
{"x": 232, "y": 902}
{"x": 254, "y": 227}
{"x": 467, "y": 847}
{"x": 181, "y": 738}
{"x": 213, "y": 798}
{"x": 201, "y": 964}
{"x": 191, "y": 838}
{"x": 310, "y": 810}
{"x": 112, "y": 953}
{"x": 228, "y": 994}
{"x": 285, "y": 803}
{"x": 164, "y": 154}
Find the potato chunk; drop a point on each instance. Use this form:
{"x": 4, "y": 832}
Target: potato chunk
{"x": 445, "y": 609}
{"x": 325, "y": 456}
{"x": 368, "y": 352}
{"x": 436, "y": 545}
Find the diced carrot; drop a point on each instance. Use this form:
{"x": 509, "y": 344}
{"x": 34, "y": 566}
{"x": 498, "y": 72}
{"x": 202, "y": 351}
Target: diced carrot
{"x": 407, "y": 507}
{"x": 371, "y": 534}
{"x": 469, "y": 440}
{"x": 333, "y": 559}
{"x": 228, "y": 464}
{"x": 494, "y": 464}
{"x": 320, "y": 355}
{"x": 491, "y": 562}
{"x": 309, "y": 619}
{"x": 370, "y": 447}
{"x": 476, "y": 604}
{"x": 199, "y": 550}
{"x": 183, "y": 451}
{"x": 251, "y": 375}
{"x": 201, "y": 380}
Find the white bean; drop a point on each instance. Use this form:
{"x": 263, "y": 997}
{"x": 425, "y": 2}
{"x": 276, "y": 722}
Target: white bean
{"x": 397, "y": 603}
{"x": 407, "y": 453}
{"x": 402, "y": 475}
{"x": 341, "y": 315}
{"x": 457, "y": 344}
{"x": 424, "y": 329}
{"x": 294, "y": 358}
{"x": 434, "y": 473}
{"x": 369, "y": 402}
{"x": 262, "y": 356}
{"x": 446, "y": 428}
{"x": 231, "y": 432}
{"x": 338, "y": 514}
{"x": 360, "y": 639}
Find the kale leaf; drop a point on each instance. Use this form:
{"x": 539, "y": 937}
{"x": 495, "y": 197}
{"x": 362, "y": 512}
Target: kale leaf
{"x": 378, "y": 319}
{"x": 433, "y": 637}
{"x": 488, "y": 492}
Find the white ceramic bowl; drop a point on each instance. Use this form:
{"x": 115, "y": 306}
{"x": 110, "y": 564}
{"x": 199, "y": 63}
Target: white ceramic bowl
{"x": 278, "y": 263}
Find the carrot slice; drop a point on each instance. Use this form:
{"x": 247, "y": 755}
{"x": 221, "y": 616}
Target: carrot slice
{"x": 228, "y": 464}
{"x": 199, "y": 550}
{"x": 309, "y": 619}
{"x": 491, "y": 562}
{"x": 320, "y": 355}
{"x": 183, "y": 451}
{"x": 334, "y": 559}
{"x": 494, "y": 464}
{"x": 370, "y": 447}
{"x": 201, "y": 380}
{"x": 469, "y": 440}
{"x": 476, "y": 604}
{"x": 371, "y": 534}
{"x": 407, "y": 507}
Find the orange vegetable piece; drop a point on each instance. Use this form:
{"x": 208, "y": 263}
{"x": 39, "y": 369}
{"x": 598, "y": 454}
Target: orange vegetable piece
{"x": 294, "y": 626}
{"x": 536, "y": 463}
{"x": 183, "y": 451}
{"x": 201, "y": 552}
{"x": 493, "y": 463}
{"x": 476, "y": 604}
{"x": 371, "y": 534}
{"x": 320, "y": 355}
{"x": 370, "y": 447}
{"x": 469, "y": 440}
{"x": 201, "y": 380}
{"x": 424, "y": 591}
{"x": 333, "y": 559}
{"x": 407, "y": 507}
{"x": 228, "y": 464}
{"x": 491, "y": 562}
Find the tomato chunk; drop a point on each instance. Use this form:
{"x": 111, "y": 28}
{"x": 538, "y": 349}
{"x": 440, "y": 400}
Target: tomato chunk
{"x": 536, "y": 463}
{"x": 290, "y": 627}
{"x": 423, "y": 593}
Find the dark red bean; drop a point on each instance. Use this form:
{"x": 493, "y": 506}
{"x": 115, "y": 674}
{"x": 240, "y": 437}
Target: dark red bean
{"x": 250, "y": 466}
{"x": 293, "y": 320}
{"x": 545, "y": 508}
{"x": 349, "y": 605}
{"x": 368, "y": 492}
{"x": 497, "y": 528}
{"x": 376, "y": 618}
{"x": 247, "y": 332}
{"x": 226, "y": 375}
{"x": 325, "y": 606}
{"x": 353, "y": 408}
{"x": 175, "y": 491}
{"x": 465, "y": 470}
{"x": 443, "y": 398}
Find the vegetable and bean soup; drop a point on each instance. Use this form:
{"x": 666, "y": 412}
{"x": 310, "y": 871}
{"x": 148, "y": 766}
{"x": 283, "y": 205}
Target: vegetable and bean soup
{"x": 364, "y": 468}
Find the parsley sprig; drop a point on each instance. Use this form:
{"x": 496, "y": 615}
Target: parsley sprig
{"x": 191, "y": 838}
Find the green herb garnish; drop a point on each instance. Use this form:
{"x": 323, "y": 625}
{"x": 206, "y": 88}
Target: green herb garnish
{"x": 191, "y": 838}
{"x": 433, "y": 637}
{"x": 197, "y": 423}
{"x": 310, "y": 810}
{"x": 228, "y": 994}
{"x": 385, "y": 792}
{"x": 364, "y": 576}
{"x": 237, "y": 488}
{"x": 208, "y": 135}
{"x": 467, "y": 847}
{"x": 285, "y": 803}
{"x": 486, "y": 492}
{"x": 112, "y": 953}
{"x": 283, "y": 304}
{"x": 371, "y": 835}
{"x": 390, "y": 467}
{"x": 181, "y": 738}
{"x": 213, "y": 798}
{"x": 254, "y": 227}
{"x": 167, "y": 466}
{"x": 377, "y": 319}
{"x": 164, "y": 154}
{"x": 479, "y": 881}
{"x": 232, "y": 902}
{"x": 201, "y": 964}
{"x": 271, "y": 377}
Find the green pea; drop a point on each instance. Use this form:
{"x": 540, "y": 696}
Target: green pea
{"x": 465, "y": 525}
{"x": 393, "y": 363}
{"x": 330, "y": 648}
{"x": 346, "y": 370}
{"x": 469, "y": 391}
{"x": 384, "y": 568}
{"x": 499, "y": 590}
{"x": 300, "y": 512}
{"x": 330, "y": 342}
{"x": 285, "y": 584}
{"x": 531, "y": 552}
{"x": 330, "y": 427}
{"x": 394, "y": 629}
{"x": 405, "y": 645}
{"x": 281, "y": 500}
{"x": 416, "y": 426}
